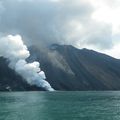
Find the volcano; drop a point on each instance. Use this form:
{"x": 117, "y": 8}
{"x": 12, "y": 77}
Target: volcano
{"x": 67, "y": 68}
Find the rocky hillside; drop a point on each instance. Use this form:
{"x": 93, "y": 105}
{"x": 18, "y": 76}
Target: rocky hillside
{"x": 67, "y": 68}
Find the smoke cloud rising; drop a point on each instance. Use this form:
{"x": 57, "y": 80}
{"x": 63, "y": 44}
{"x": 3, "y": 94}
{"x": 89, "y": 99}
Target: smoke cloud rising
{"x": 93, "y": 24}
{"x": 13, "y": 48}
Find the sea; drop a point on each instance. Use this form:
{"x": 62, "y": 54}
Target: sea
{"x": 84, "y": 105}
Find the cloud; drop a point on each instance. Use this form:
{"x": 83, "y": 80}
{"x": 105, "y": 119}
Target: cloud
{"x": 82, "y": 23}
{"x": 16, "y": 52}
{"x": 108, "y": 12}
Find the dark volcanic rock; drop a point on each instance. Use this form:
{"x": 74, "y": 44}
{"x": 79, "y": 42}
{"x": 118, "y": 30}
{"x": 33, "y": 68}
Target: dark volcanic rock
{"x": 67, "y": 68}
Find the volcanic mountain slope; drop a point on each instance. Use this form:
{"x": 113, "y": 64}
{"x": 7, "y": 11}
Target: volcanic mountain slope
{"x": 67, "y": 68}
{"x": 11, "y": 81}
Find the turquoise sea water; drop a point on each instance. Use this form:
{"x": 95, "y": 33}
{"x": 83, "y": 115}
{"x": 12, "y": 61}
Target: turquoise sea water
{"x": 60, "y": 106}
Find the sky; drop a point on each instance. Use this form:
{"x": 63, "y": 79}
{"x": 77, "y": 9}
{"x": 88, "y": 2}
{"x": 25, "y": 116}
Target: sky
{"x": 92, "y": 24}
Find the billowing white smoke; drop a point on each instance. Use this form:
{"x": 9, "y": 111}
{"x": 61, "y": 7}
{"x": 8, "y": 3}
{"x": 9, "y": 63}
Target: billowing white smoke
{"x": 13, "y": 48}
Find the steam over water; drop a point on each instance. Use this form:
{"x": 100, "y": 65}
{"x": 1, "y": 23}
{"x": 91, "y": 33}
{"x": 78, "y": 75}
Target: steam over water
{"x": 13, "y": 49}
{"x": 60, "y": 106}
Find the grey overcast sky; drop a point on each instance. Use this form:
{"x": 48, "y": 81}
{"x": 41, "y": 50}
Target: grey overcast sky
{"x": 93, "y": 24}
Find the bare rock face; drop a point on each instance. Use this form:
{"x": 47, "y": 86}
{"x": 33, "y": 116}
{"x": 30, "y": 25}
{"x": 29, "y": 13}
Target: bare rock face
{"x": 67, "y": 68}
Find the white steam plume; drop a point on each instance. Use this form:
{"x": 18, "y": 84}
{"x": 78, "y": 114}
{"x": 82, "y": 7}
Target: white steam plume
{"x": 13, "y": 48}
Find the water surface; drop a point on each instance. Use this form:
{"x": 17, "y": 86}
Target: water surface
{"x": 60, "y": 106}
